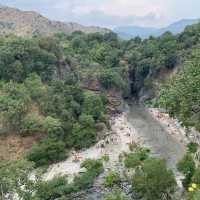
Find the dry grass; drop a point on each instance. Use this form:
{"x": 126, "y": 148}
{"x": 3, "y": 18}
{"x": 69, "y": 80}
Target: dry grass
{"x": 13, "y": 147}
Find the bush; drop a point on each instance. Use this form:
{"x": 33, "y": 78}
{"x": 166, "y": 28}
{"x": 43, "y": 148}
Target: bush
{"x": 35, "y": 86}
{"x": 196, "y": 176}
{"x": 112, "y": 179}
{"x": 54, "y": 128}
{"x": 134, "y": 159}
{"x": 118, "y": 196}
{"x": 110, "y": 79}
{"x": 14, "y": 104}
{"x": 52, "y": 189}
{"x": 30, "y": 125}
{"x": 93, "y": 105}
{"x": 84, "y": 132}
{"x": 153, "y": 180}
{"x": 47, "y": 152}
{"x": 187, "y": 167}
{"x": 93, "y": 166}
{"x": 192, "y": 147}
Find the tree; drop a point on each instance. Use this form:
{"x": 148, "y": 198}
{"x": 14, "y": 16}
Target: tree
{"x": 53, "y": 189}
{"x": 83, "y": 132}
{"x": 14, "y": 178}
{"x": 14, "y": 104}
{"x": 153, "y": 180}
{"x": 35, "y": 87}
{"x": 136, "y": 158}
{"x": 47, "y": 152}
{"x": 31, "y": 124}
{"x": 112, "y": 179}
{"x": 110, "y": 79}
{"x": 187, "y": 167}
{"x": 54, "y": 128}
{"x": 93, "y": 105}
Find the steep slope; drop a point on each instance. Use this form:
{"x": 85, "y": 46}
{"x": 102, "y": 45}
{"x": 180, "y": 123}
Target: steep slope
{"x": 29, "y": 23}
{"x": 128, "y": 32}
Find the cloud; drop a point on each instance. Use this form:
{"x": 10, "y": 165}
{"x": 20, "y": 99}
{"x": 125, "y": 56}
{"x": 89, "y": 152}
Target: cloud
{"x": 101, "y": 19}
{"x": 112, "y": 12}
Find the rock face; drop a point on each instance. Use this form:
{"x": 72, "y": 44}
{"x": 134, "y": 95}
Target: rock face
{"x": 29, "y": 23}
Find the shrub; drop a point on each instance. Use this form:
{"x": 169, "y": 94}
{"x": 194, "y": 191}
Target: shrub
{"x": 47, "y": 152}
{"x": 110, "y": 79}
{"x": 84, "y": 132}
{"x": 187, "y": 167}
{"x": 93, "y": 166}
{"x": 54, "y": 128}
{"x": 153, "y": 180}
{"x": 30, "y": 125}
{"x": 112, "y": 179}
{"x": 196, "y": 176}
{"x": 93, "y": 105}
{"x": 192, "y": 147}
{"x": 134, "y": 159}
{"x": 52, "y": 189}
{"x": 118, "y": 196}
{"x": 14, "y": 104}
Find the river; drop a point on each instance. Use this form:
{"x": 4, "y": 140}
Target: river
{"x": 155, "y": 136}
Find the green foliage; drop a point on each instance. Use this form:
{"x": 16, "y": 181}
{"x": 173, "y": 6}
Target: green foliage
{"x": 14, "y": 104}
{"x": 118, "y": 196}
{"x": 52, "y": 189}
{"x": 181, "y": 96}
{"x": 196, "y": 176}
{"x": 14, "y": 176}
{"x": 83, "y": 132}
{"x": 54, "y": 128}
{"x": 112, "y": 179}
{"x": 59, "y": 187}
{"x": 47, "y": 152}
{"x": 35, "y": 87}
{"x": 93, "y": 105}
{"x": 110, "y": 79}
{"x": 153, "y": 179}
{"x": 105, "y": 158}
{"x": 94, "y": 168}
{"x": 187, "y": 167}
{"x": 24, "y": 56}
{"x": 136, "y": 158}
{"x": 194, "y": 195}
{"x": 192, "y": 147}
{"x": 31, "y": 124}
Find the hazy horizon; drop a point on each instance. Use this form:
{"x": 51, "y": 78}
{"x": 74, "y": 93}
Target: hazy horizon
{"x": 112, "y": 13}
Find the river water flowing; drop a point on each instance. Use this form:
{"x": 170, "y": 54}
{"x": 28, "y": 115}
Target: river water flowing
{"x": 154, "y": 135}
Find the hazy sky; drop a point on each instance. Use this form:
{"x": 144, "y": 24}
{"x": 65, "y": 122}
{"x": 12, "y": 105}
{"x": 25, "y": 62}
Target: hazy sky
{"x": 111, "y": 13}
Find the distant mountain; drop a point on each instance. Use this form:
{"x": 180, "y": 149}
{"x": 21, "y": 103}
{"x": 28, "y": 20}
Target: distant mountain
{"x": 29, "y": 23}
{"x": 128, "y": 32}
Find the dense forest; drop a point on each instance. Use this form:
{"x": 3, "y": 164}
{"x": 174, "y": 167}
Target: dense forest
{"x": 60, "y": 86}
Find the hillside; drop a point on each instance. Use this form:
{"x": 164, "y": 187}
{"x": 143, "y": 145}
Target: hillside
{"x": 59, "y": 97}
{"x": 29, "y": 23}
{"x": 128, "y": 32}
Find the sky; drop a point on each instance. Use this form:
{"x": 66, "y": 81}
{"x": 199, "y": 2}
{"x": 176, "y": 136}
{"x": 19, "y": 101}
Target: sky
{"x": 112, "y": 13}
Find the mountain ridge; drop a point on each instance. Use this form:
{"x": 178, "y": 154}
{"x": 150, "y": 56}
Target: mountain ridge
{"x": 31, "y": 23}
{"x": 128, "y": 32}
